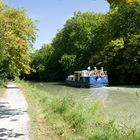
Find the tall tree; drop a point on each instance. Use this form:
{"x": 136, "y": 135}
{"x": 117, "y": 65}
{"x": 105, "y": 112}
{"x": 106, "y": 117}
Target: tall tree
{"x": 78, "y": 40}
{"x": 17, "y": 33}
{"x": 71, "y": 49}
{"x": 122, "y": 53}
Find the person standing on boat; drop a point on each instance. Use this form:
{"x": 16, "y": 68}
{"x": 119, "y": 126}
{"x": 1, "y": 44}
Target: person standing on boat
{"x": 95, "y": 70}
{"x": 88, "y": 68}
{"x": 102, "y": 72}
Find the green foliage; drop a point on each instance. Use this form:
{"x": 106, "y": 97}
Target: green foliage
{"x": 67, "y": 62}
{"x": 45, "y": 64}
{"x": 73, "y": 45}
{"x": 121, "y": 54}
{"x": 40, "y": 59}
{"x": 17, "y": 32}
{"x": 110, "y": 40}
{"x": 117, "y": 3}
{"x": 78, "y": 38}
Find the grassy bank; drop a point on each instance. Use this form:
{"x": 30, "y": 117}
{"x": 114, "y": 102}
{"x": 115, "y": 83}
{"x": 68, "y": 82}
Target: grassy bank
{"x": 66, "y": 118}
{"x": 2, "y": 88}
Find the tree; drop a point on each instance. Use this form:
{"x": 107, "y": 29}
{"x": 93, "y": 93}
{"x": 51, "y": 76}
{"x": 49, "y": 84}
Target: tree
{"x": 78, "y": 40}
{"x": 110, "y": 40}
{"x": 117, "y": 2}
{"x": 17, "y": 33}
{"x": 40, "y": 60}
{"x": 72, "y": 47}
{"x": 122, "y": 53}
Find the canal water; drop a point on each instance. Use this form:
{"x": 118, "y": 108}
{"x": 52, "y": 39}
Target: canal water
{"x": 120, "y": 103}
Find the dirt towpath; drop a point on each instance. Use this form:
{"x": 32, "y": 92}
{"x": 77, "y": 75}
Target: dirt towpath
{"x": 13, "y": 115}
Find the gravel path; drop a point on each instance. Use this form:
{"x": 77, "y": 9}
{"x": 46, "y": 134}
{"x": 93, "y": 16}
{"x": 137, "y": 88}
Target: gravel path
{"x": 13, "y": 115}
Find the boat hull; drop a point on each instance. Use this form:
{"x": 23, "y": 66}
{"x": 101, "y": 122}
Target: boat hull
{"x": 87, "y": 82}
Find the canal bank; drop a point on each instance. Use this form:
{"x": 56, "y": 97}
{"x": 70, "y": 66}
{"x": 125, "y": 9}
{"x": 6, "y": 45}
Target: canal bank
{"x": 120, "y": 102}
{"x": 74, "y": 117}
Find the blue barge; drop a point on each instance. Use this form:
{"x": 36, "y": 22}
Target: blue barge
{"x": 88, "y": 78}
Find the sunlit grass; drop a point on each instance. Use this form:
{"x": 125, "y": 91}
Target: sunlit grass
{"x": 2, "y": 88}
{"x": 66, "y": 118}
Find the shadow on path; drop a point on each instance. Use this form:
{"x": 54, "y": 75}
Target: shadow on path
{"x": 9, "y": 134}
{"x": 11, "y": 114}
{"x": 6, "y": 111}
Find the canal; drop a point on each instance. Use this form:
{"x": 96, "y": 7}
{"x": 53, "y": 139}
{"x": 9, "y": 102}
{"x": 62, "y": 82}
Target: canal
{"x": 120, "y": 103}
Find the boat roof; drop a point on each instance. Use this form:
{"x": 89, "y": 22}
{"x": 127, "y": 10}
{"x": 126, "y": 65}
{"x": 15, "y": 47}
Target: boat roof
{"x": 80, "y": 71}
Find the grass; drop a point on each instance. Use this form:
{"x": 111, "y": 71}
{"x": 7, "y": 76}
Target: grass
{"x": 66, "y": 118}
{"x": 2, "y": 88}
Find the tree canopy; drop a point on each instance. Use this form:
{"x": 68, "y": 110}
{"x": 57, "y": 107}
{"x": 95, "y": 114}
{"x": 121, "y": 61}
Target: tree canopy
{"x": 110, "y": 40}
{"x": 17, "y": 33}
{"x": 73, "y": 45}
{"x": 117, "y": 3}
{"x": 121, "y": 55}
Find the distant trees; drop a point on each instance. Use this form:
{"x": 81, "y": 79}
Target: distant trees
{"x": 110, "y": 40}
{"x": 17, "y": 33}
{"x": 40, "y": 61}
{"x": 73, "y": 45}
{"x": 76, "y": 41}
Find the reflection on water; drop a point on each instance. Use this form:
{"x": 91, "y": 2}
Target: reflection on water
{"x": 101, "y": 93}
{"x": 61, "y": 89}
{"x": 121, "y": 103}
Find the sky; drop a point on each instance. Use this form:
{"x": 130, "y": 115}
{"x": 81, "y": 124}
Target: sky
{"x": 52, "y": 14}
